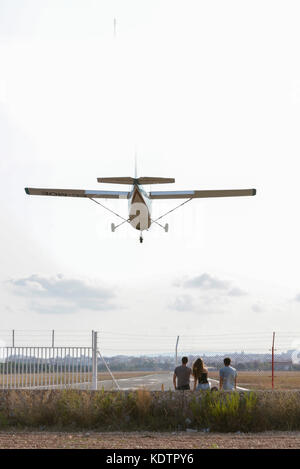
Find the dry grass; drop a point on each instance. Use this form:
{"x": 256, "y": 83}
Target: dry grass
{"x": 43, "y": 379}
{"x": 143, "y": 410}
{"x": 284, "y": 380}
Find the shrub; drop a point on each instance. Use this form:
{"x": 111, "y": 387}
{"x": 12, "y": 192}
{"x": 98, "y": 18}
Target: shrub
{"x": 144, "y": 410}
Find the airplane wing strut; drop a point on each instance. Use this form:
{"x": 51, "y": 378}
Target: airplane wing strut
{"x": 169, "y": 211}
{"x": 99, "y": 203}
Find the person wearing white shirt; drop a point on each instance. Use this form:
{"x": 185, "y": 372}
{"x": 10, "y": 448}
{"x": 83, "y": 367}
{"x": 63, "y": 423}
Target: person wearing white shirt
{"x": 228, "y": 376}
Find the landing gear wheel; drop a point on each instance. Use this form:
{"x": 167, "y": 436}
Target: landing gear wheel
{"x": 141, "y": 238}
{"x": 113, "y": 227}
{"x": 166, "y": 227}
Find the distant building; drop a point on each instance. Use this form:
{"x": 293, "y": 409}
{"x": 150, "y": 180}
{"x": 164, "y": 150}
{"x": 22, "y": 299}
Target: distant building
{"x": 283, "y": 365}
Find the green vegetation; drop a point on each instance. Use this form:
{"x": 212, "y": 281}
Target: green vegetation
{"x": 144, "y": 410}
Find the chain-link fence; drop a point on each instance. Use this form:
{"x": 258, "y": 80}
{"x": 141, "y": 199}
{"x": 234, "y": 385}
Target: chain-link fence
{"x": 260, "y": 363}
{"x": 45, "y": 338}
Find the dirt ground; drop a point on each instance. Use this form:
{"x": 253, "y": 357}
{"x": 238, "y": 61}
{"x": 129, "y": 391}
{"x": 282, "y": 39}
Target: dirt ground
{"x": 141, "y": 440}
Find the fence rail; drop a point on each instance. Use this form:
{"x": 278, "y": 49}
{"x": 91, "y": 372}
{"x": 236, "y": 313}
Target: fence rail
{"x": 39, "y": 367}
{"x": 49, "y": 367}
{"x": 28, "y": 361}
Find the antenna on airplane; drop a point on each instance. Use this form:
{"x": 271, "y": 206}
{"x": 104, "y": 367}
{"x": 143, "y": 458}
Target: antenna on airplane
{"x": 135, "y": 164}
{"x": 115, "y": 27}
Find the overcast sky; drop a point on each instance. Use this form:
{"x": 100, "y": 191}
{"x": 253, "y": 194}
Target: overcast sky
{"x": 205, "y": 92}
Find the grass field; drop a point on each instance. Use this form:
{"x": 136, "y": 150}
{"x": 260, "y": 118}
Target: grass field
{"x": 284, "y": 380}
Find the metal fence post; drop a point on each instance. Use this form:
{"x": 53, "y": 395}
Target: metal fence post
{"x": 273, "y": 342}
{"x": 94, "y": 362}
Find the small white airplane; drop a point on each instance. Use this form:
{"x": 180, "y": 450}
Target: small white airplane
{"x": 139, "y": 201}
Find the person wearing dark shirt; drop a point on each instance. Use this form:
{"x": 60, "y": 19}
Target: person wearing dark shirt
{"x": 182, "y": 375}
{"x": 200, "y": 374}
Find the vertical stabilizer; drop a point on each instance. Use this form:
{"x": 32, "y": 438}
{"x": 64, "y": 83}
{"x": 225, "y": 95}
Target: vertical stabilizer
{"x": 135, "y": 165}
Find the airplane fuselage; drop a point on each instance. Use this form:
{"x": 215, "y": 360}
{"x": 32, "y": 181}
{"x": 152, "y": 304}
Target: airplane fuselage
{"x": 139, "y": 207}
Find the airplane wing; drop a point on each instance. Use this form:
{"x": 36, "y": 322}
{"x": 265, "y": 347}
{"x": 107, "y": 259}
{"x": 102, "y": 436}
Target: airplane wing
{"x": 78, "y": 193}
{"x": 201, "y": 194}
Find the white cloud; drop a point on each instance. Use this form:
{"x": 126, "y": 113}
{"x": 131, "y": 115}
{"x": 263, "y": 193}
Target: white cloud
{"x": 206, "y": 294}
{"x": 60, "y": 294}
{"x": 183, "y": 303}
{"x": 199, "y": 306}
{"x": 257, "y": 308}
{"x": 206, "y": 282}
{"x": 237, "y": 292}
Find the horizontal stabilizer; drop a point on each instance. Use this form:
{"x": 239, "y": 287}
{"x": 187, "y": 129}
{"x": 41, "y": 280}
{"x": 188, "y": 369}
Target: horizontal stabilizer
{"x": 201, "y": 194}
{"x": 155, "y": 180}
{"x": 140, "y": 180}
{"x": 78, "y": 193}
{"x": 117, "y": 180}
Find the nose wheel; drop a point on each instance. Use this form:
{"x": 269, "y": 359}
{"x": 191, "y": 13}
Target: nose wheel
{"x": 141, "y": 238}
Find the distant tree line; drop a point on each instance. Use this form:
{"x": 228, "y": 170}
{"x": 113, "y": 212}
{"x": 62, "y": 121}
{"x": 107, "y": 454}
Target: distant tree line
{"x": 130, "y": 364}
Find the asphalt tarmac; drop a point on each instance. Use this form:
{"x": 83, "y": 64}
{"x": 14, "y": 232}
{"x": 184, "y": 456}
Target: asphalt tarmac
{"x": 155, "y": 382}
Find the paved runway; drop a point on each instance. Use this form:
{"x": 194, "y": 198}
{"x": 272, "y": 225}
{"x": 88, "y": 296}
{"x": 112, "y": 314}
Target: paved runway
{"x": 151, "y": 382}
{"x": 154, "y": 382}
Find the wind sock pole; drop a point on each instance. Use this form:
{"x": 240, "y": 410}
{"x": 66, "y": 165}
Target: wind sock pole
{"x": 176, "y": 348}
